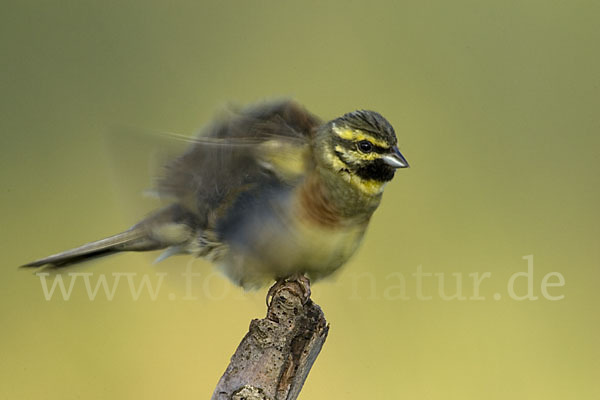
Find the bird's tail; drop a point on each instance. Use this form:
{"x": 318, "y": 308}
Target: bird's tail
{"x": 170, "y": 226}
{"x": 130, "y": 240}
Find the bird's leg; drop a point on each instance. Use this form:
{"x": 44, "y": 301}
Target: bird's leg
{"x": 297, "y": 283}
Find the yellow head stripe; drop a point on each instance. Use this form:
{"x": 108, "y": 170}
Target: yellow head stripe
{"x": 356, "y": 135}
{"x": 334, "y": 160}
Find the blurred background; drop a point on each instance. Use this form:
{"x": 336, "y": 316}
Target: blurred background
{"x": 496, "y": 108}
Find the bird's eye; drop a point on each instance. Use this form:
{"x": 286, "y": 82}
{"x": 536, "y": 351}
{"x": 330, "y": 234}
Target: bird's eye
{"x": 365, "y": 146}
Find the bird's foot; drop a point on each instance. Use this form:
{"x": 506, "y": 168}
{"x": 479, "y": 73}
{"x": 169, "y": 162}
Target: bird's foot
{"x": 299, "y": 284}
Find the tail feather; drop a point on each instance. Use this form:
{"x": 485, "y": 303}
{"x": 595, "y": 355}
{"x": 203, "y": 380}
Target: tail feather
{"x": 134, "y": 239}
{"x": 170, "y": 226}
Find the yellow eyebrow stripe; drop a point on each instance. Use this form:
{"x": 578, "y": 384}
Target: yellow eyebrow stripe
{"x": 356, "y": 135}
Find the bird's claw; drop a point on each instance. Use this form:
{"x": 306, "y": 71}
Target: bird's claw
{"x": 299, "y": 284}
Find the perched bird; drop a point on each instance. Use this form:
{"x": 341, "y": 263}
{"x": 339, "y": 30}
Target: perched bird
{"x": 267, "y": 193}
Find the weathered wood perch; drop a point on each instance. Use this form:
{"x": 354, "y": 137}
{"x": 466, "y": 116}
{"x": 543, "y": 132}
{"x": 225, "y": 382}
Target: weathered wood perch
{"x": 274, "y": 358}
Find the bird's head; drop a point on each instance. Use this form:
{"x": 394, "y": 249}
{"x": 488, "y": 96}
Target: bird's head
{"x": 361, "y": 146}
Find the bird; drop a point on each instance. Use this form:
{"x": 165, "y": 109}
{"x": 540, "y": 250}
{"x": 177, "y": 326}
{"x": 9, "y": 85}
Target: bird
{"x": 268, "y": 192}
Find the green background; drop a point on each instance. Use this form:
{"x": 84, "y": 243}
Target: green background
{"x": 496, "y": 108}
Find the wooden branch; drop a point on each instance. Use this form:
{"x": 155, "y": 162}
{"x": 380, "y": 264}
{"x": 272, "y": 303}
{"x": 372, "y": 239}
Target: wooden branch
{"x": 274, "y": 358}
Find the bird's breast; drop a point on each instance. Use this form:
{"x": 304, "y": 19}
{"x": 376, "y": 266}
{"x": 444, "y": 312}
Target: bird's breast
{"x": 288, "y": 232}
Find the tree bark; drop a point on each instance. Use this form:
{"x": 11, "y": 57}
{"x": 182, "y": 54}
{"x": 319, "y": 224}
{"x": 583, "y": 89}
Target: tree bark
{"x": 274, "y": 358}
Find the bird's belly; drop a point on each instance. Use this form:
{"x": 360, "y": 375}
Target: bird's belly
{"x": 280, "y": 246}
{"x": 314, "y": 250}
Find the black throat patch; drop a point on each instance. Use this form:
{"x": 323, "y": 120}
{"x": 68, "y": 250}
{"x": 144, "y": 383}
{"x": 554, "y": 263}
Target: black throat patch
{"x": 376, "y": 170}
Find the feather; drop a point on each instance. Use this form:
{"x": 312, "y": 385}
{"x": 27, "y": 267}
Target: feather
{"x": 130, "y": 240}
{"x": 170, "y": 226}
{"x": 247, "y": 149}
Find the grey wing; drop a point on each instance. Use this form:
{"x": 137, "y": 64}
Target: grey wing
{"x": 229, "y": 158}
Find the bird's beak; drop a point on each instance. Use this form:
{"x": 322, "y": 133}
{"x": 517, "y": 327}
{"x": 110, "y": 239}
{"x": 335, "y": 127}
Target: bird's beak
{"x": 395, "y": 159}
